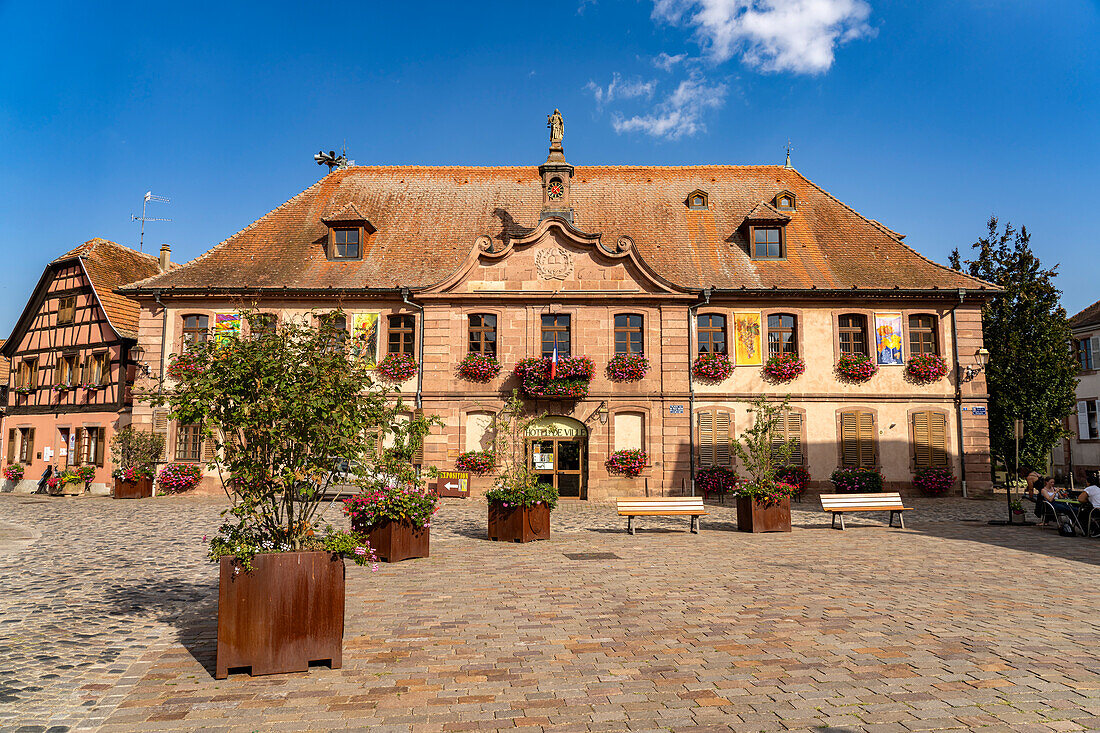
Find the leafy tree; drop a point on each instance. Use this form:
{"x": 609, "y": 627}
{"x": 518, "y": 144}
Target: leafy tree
{"x": 1031, "y": 373}
{"x": 132, "y": 448}
{"x": 761, "y": 448}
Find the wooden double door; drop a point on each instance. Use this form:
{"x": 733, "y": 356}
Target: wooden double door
{"x": 561, "y": 462}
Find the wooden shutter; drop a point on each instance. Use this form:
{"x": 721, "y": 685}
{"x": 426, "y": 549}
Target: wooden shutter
{"x": 209, "y": 449}
{"x": 723, "y": 456}
{"x": 34, "y": 374}
{"x": 866, "y": 439}
{"x": 81, "y": 448}
{"x": 922, "y": 440}
{"x": 11, "y": 445}
{"x": 791, "y": 426}
{"x": 705, "y": 421}
{"x": 937, "y": 431}
{"x": 849, "y": 438}
{"x": 1082, "y": 420}
{"x": 418, "y": 454}
{"x": 30, "y": 444}
{"x": 100, "y": 445}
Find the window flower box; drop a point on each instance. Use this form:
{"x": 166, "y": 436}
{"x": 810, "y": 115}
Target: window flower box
{"x": 629, "y": 462}
{"x": 627, "y": 367}
{"x": 784, "y": 367}
{"x": 476, "y": 461}
{"x": 23, "y": 390}
{"x": 855, "y": 368}
{"x": 396, "y": 368}
{"x": 710, "y": 367}
{"x": 570, "y": 381}
{"x": 179, "y": 477}
{"x": 478, "y": 368}
{"x": 933, "y": 480}
{"x": 926, "y": 368}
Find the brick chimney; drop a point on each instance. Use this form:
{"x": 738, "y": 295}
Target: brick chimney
{"x": 165, "y": 257}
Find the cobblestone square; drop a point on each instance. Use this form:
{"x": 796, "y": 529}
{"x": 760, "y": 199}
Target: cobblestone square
{"x": 108, "y": 618}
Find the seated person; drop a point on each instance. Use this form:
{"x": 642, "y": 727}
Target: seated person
{"x": 1091, "y": 495}
{"x": 1059, "y": 498}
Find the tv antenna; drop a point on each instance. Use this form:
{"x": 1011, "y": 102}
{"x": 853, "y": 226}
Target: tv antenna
{"x": 143, "y": 218}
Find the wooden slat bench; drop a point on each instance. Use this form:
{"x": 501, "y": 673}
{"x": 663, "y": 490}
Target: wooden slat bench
{"x": 662, "y": 506}
{"x": 843, "y": 503}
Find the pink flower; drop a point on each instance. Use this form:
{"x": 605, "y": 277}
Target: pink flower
{"x": 360, "y": 551}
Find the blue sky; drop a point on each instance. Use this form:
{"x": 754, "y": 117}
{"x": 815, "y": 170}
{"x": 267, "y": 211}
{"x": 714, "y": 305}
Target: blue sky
{"x": 928, "y": 116}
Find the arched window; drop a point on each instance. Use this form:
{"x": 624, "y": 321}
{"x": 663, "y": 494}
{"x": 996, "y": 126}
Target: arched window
{"x": 628, "y": 334}
{"x": 853, "y": 334}
{"x": 711, "y": 330}
{"x": 922, "y": 335}
{"x": 483, "y": 334}
{"x": 782, "y": 336}
{"x": 196, "y": 329}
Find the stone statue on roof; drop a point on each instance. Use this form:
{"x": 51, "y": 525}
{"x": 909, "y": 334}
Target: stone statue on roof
{"x": 557, "y": 127}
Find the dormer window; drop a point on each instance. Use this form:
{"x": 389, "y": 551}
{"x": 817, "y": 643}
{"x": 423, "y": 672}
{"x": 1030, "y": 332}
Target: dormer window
{"x": 767, "y": 243}
{"x": 698, "y": 200}
{"x": 345, "y": 243}
{"x": 785, "y": 201}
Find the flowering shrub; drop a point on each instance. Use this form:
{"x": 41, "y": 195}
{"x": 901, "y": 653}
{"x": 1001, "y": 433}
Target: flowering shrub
{"x": 768, "y": 493}
{"x": 84, "y": 473}
{"x": 397, "y": 502}
{"x": 852, "y": 479}
{"x": 183, "y": 366}
{"x": 855, "y": 367}
{"x": 14, "y": 472}
{"x": 627, "y": 367}
{"x": 70, "y": 476}
{"x": 926, "y": 368}
{"x": 629, "y": 462}
{"x": 478, "y": 367}
{"x": 572, "y": 375}
{"x": 521, "y": 488}
{"x": 396, "y": 368}
{"x": 177, "y": 477}
{"x": 716, "y": 480}
{"x": 132, "y": 474}
{"x": 794, "y": 475}
{"x": 784, "y": 367}
{"x": 476, "y": 461}
{"x": 712, "y": 367}
{"x": 934, "y": 481}
{"x": 63, "y": 387}
{"x": 23, "y": 390}
{"x": 242, "y": 543}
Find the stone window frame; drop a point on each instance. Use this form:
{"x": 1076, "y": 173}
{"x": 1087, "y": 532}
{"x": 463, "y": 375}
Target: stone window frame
{"x": 937, "y": 340}
{"x": 175, "y": 438}
{"x": 246, "y": 326}
{"x": 467, "y": 314}
{"x": 571, "y": 314}
{"x": 180, "y": 336}
{"x": 647, "y": 428}
{"x": 877, "y": 462}
{"x": 910, "y": 414}
{"x": 727, "y": 317}
{"x": 799, "y": 327}
{"x": 615, "y": 330}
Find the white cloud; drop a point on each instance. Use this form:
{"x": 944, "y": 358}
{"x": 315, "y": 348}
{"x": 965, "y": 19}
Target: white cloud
{"x": 772, "y": 35}
{"x": 680, "y": 114}
{"x": 619, "y": 89}
{"x": 666, "y": 62}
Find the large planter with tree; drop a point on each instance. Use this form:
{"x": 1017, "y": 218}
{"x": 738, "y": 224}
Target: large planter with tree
{"x": 135, "y": 454}
{"x": 763, "y": 501}
{"x": 296, "y": 409}
{"x": 519, "y": 505}
{"x": 133, "y": 484}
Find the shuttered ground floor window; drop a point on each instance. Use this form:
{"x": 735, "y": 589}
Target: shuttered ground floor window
{"x": 789, "y": 427}
{"x": 857, "y": 438}
{"x": 189, "y": 443}
{"x": 714, "y": 431}
{"x": 930, "y": 439}
{"x": 91, "y": 444}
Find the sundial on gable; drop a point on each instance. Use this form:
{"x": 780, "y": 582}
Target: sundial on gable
{"x": 554, "y": 263}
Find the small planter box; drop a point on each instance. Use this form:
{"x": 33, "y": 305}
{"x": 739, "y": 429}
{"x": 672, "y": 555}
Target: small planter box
{"x": 140, "y": 489}
{"x": 519, "y": 523}
{"x": 286, "y": 613}
{"x": 397, "y": 541}
{"x": 753, "y": 516}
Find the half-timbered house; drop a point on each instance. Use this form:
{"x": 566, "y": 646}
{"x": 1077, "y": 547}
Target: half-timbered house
{"x": 71, "y": 375}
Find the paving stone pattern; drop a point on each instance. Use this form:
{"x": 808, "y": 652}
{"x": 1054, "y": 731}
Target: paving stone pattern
{"x": 108, "y": 619}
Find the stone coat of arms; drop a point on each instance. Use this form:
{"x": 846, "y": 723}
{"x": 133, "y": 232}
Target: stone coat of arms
{"x": 554, "y": 264}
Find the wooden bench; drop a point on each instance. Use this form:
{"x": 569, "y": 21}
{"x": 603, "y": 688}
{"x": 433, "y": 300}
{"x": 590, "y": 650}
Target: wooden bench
{"x": 662, "y": 506}
{"x": 843, "y": 503}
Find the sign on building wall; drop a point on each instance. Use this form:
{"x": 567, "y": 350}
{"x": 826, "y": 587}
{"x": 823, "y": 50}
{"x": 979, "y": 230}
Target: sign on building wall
{"x": 746, "y": 338}
{"x": 556, "y": 427}
{"x": 226, "y": 325}
{"x": 888, "y": 338}
{"x": 365, "y": 336}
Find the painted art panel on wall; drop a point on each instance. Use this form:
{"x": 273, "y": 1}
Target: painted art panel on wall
{"x": 888, "y": 338}
{"x": 746, "y": 335}
{"x": 365, "y": 336}
{"x": 226, "y": 325}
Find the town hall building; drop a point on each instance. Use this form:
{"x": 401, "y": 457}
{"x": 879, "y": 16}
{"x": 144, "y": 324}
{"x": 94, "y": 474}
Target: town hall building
{"x": 735, "y": 263}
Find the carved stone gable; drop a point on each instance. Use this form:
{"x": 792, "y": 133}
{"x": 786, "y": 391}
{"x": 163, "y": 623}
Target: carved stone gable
{"x": 554, "y": 263}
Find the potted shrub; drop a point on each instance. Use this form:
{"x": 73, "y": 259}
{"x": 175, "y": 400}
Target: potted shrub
{"x": 627, "y": 367}
{"x": 783, "y": 367}
{"x": 394, "y": 507}
{"x": 716, "y": 480}
{"x": 477, "y": 367}
{"x": 176, "y": 478}
{"x": 934, "y": 480}
{"x": 926, "y": 368}
{"x": 796, "y": 476}
{"x": 857, "y": 479}
{"x": 855, "y": 368}
{"x": 1016, "y": 507}
{"x": 628, "y": 462}
{"x": 396, "y": 368}
{"x": 296, "y": 410}
{"x": 519, "y": 505}
{"x": 135, "y": 453}
{"x": 710, "y": 367}
{"x": 14, "y": 472}
{"x": 763, "y": 501}
{"x": 476, "y": 461}
{"x": 541, "y": 378}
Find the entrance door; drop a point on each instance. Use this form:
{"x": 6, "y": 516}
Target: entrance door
{"x": 560, "y": 462}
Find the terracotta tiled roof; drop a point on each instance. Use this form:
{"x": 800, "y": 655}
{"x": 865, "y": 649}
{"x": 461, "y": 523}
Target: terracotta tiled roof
{"x": 348, "y": 212}
{"x": 110, "y": 266}
{"x": 764, "y": 211}
{"x": 428, "y": 218}
{"x": 1088, "y": 317}
{"x": 5, "y": 367}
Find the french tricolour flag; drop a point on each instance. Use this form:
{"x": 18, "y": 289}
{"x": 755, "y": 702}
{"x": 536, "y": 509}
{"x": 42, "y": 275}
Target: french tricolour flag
{"x": 554, "y": 364}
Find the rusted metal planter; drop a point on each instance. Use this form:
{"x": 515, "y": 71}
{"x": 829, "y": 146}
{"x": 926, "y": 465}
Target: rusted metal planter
{"x": 140, "y": 489}
{"x": 754, "y": 516}
{"x": 285, "y": 614}
{"x": 519, "y": 523}
{"x": 396, "y": 541}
